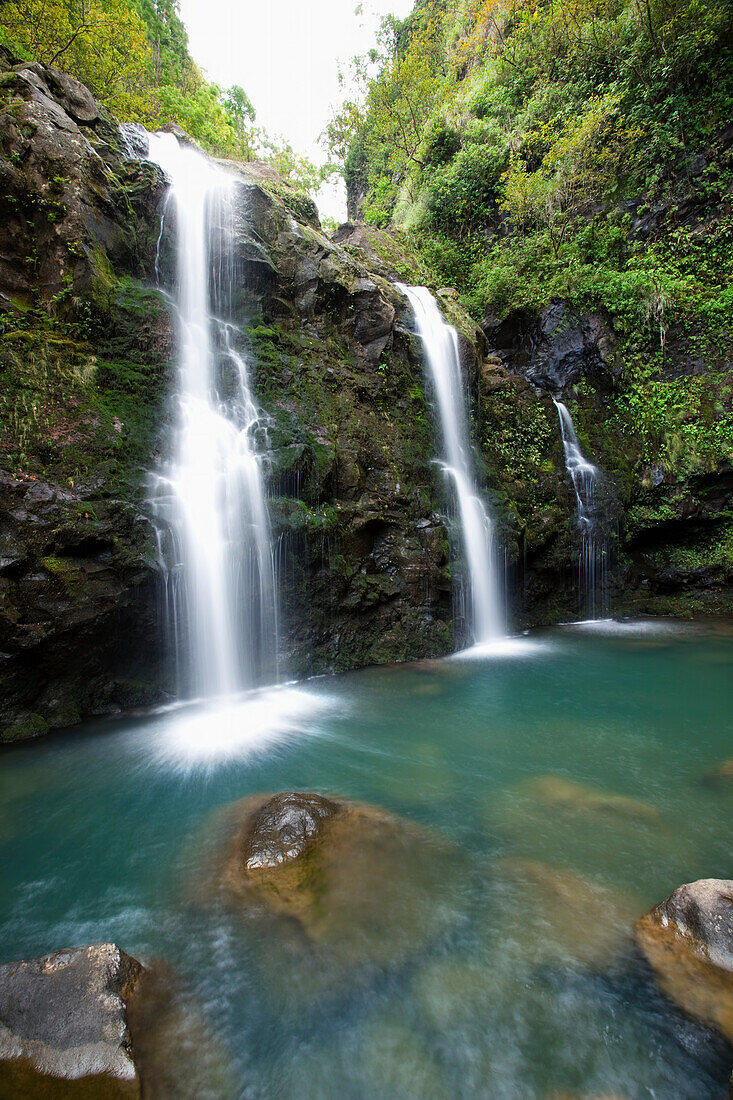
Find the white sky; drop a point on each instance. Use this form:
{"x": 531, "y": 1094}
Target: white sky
{"x": 285, "y": 54}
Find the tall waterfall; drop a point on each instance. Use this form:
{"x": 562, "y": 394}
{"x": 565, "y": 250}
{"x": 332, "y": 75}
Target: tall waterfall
{"x": 210, "y": 496}
{"x": 594, "y": 544}
{"x": 442, "y": 356}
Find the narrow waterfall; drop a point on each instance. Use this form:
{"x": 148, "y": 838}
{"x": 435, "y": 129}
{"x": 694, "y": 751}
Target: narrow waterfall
{"x": 442, "y": 356}
{"x": 594, "y": 544}
{"x": 209, "y": 497}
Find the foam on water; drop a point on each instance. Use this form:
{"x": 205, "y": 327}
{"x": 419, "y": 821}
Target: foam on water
{"x": 234, "y": 728}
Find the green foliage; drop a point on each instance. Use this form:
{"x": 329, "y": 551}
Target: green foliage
{"x": 683, "y": 425}
{"x": 133, "y": 55}
{"x": 537, "y": 123}
{"x": 101, "y": 42}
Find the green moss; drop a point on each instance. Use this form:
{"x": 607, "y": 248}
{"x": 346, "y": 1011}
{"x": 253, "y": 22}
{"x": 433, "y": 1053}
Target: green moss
{"x": 25, "y": 727}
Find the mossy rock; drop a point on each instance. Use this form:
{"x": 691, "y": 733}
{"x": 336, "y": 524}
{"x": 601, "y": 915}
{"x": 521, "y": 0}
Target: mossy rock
{"x": 360, "y": 885}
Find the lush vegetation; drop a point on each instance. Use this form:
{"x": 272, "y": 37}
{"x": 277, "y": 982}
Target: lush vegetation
{"x": 574, "y": 150}
{"x": 522, "y": 143}
{"x": 133, "y": 55}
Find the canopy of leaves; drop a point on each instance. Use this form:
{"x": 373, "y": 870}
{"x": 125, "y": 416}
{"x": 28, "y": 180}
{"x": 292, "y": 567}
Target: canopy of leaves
{"x": 516, "y": 142}
{"x": 133, "y": 55}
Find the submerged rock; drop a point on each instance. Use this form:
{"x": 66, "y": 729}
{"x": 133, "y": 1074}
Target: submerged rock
{"x": 64, "y": 1019}
{"x": 688, "y": 940}
{"x": 178, "y": 1054}
{"x": 568, "y": 824}
{"x": 721, "y": 776}
{"x": 362, "y": 885}
{"x": 554, "y": 790}
{"x": 556, "y": 916}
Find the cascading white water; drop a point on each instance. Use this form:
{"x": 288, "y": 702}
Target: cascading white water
{"x": 210, "y": 497}
{"x": 587, "y": 480}
{"x": 442, "y": 355}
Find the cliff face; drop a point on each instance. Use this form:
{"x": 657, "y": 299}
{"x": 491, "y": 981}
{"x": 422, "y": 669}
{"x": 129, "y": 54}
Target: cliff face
{"x": 357, "y": 505}
{"x": 86, "y": 373}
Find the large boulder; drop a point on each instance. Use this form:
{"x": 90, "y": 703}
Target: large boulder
{"x": 92, "y": 1022}
{"x": 63, "y": 1025}
{"x": 688, "y": 940}
{"x": 360, "y": 884}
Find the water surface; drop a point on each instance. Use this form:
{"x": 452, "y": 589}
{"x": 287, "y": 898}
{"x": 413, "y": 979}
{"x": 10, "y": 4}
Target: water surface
{"x": 100, "y": 829}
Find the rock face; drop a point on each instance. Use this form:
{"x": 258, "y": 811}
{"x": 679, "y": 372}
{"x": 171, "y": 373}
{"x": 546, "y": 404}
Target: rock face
{"x": 555, "y": 349}
{"x": 688, "y": 940}
{"x": 361, "y": 885}
{"x": 357, "y": 504}
{"x": 85, "y": 372}
{"x": 63, "y": 1025}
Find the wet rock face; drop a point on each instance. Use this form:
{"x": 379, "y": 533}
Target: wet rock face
{"x": 553, "y": 350}
{"x": 688, "y": 940}
{"x": 77, "y": 607}
{"x": 284, "y": 828}
{"x": 64, "y": 1017}
{"x": 66, "y": 216}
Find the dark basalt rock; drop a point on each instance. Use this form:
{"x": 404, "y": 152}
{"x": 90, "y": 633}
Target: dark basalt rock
{"x": 64, "y": 1025}
{"x": 554, "y": 349}
{"x": 284, "y": 828}
{"x": 688, "y": 940}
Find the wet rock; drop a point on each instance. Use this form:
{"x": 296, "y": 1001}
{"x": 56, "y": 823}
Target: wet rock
{"x": 284, "y": 828}
{"x": 361, "y": 885}
{"x": 721, "y": 776}
{"x": 556, "y": 791}
{"x": 688, "y": 941}
{"x": 556, "y": 916}
{"x": 92, "y": 1022}
{"x": 554, "y": 349}
{"x": 63, "y": 1017}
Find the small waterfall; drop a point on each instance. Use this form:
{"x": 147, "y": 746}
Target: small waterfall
{"x": 594, "y": 544}
{"x": 210, "y": 499}
{"x": 443, "y": 359}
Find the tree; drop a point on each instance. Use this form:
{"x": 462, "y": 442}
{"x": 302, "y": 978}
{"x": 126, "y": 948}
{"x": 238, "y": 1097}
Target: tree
{"x": 101, "y": 42}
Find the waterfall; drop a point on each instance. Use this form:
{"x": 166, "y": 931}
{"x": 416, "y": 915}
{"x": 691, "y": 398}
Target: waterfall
{"x": 594, "y": 547}
{"x": 442, "y": 356}
{"x": 209, "y": 498}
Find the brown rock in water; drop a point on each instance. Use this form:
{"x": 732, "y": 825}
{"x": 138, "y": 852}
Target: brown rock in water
{"x": 91, "y": 1023}
{"x": 361, "y": 883}
{"x": 178, "y": 1055}
{"x": 555, "y": 790}
{"x": 559, "y": 916}
{"x": 721, "y": 776}
{"x": 688, "y": 940}
{"x": 64, "y": 1026}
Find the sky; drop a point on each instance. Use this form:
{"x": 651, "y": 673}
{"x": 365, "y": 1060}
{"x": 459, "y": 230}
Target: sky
{"x": 286, "y": 54}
